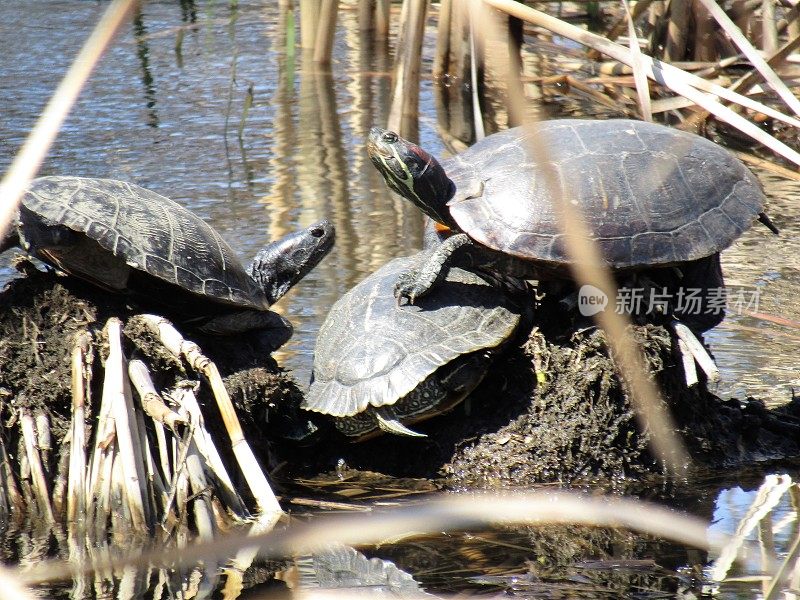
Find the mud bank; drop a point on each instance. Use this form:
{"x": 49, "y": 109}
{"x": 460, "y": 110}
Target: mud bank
{"x": 551, "y": 409}
{"x": 554, "y": 410}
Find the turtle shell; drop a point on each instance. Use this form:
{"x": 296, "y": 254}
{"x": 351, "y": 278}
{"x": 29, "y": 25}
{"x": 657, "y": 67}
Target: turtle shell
{"x": 148, "y": 231}
{"x": 650, "y": 194}
{"x": 370, "y": 351}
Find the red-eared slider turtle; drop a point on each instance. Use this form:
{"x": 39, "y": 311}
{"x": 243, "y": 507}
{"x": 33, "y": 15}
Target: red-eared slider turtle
{"x": 378, "y": 364}
{"x": 651, "y": 195}
{"x": 125, "y": 238}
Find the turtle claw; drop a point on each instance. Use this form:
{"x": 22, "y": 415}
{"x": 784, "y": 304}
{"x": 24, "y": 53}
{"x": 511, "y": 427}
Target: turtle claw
{"x": 388, "y": 421}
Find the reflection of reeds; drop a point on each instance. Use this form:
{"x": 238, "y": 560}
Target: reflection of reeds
{"x": 404, "y": 111}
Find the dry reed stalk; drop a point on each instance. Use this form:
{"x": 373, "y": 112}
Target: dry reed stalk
{"x": 36, "y": 145}
{"x": 182, "y": 503}
{"x": 436, "y": 514}
{"x": 442, "y": 53}
{"x": 24, "y": 468}
{"x": 151, "y": 401}
{"x": 697, "y": 350}
{"x": 121, "y": 518}
{"x": 130, "y": 452}
{"x": 767, "y": 497}
{"x": 156, "y": 488}
{"x": 677, "y": 30}
{"x": 326, "y": 31}
{"x": 383, "y": 15}
{"x": 178, "y": 477}
{"x": 102, "y": 461}
{"x": 620, "y": 25}
{"x": 254, "y": 475}
{"x": 76, "y": 487}
{"x": 689, "y": 369}
{"x": 60, "y": 480}
{"x": 16, "y": 502}
{"x": 200, "y": 487}
{"x": 365, "y": 13}
{"x": 752, "y": 55}
{"x": 404, "y": 107}
{"x": 681, "y": 82}
{"x": 205, "y": 444}
{"x": 705, "y": 34}
{"x": 769, "y": 29}
{"x": 38, "y": 479}
{"x": 639, "y": 75}
{"x": 43, "y": 438}
{"x": 203, "y": 516}
{"x": 309, "y": 10}
{"x": 476, "y": 71}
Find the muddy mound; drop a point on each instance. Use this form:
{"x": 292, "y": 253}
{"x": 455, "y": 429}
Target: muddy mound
{"x": 42, "y": 313}
{"x": 555, "y": 410}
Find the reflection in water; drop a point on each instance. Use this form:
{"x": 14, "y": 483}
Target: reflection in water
{"x": 188, "y": 11}
{"x": 147, "y": 78}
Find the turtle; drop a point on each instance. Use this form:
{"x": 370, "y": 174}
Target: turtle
{"x": 652, "y": 196}
{"x": 379, "y": 365}
{"x": 127, "y": 239}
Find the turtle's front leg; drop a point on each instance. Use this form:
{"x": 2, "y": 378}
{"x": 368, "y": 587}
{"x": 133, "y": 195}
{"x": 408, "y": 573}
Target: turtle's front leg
{"x": 434, "y": 266}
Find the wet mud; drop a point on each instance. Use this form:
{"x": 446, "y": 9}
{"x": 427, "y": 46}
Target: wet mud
{"x": 554, "y": 410}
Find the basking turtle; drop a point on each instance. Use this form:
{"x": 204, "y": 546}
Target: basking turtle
{"x": 378, "y": 364}
{"x": 651, "y": 195}
{"x": 124, "y": 238}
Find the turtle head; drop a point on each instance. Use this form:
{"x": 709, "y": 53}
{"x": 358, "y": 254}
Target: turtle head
{"x": 412, "y": 173}
{"x": 281, "y": 264}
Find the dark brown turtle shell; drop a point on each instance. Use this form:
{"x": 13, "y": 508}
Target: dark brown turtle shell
{"x": 148, "y": 231}
{"x": 650, "y": 194}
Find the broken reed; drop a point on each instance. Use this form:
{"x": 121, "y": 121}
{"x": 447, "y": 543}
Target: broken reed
{"x": 146, "y": 467}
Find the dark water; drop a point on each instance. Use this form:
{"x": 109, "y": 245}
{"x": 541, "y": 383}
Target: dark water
{"x": 166, "y": 110}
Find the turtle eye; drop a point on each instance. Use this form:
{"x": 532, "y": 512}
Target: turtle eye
{"x": 390, "y": 137}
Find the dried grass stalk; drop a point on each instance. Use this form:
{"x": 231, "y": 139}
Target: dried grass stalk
{"x": 130, "y": 451}
{"x": 382, "y": 19}
{"x": 405, "y": 87}
{"x": 697, "y": 350}
{"x": 689, "y": 369}
{"x": 38, "y": 479}
{"x": 205, "y": 444}
{"x": 326, "y": 31}
{"x": 76, "y": 486}
{"x": 16, "y": 502}
{"x": 151, "y": 401}
{"x": 767, "y": 497}
{"x": 254, "y": 475}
